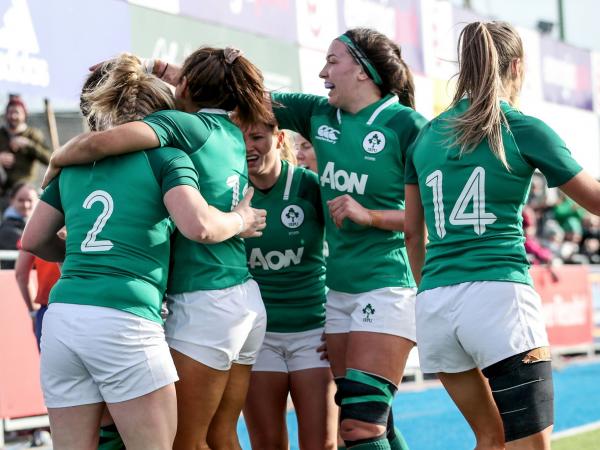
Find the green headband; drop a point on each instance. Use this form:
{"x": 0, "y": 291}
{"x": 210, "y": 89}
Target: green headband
{"x": 361, "y": 58}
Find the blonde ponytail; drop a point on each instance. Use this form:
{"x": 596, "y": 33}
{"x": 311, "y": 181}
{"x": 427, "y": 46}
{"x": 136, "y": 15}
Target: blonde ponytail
{"x": 125, "y": 93}
{"x": 486, "y": 51}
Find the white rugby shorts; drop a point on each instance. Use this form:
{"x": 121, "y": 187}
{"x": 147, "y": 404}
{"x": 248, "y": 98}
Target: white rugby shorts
{"x": 290, "y": 352}
{"x": 93, "y": 354}
{"x": 477, "y": 324}
{"x": 218, "y": 327}
{"x": 389, "y": 310}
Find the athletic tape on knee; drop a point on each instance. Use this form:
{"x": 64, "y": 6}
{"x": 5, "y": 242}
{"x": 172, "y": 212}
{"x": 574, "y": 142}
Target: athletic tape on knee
{"x": 524, "y": 395}
{"x": 364, "y": 396}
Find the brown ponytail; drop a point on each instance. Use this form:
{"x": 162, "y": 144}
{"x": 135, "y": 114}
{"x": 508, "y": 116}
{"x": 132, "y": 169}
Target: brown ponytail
{"x": 224, "y": 78}
{"x": 385, "y": 55}
{"x": 486, "y": 51}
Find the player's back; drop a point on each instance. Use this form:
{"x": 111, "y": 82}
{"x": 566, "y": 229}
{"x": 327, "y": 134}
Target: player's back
{"x": 118, "y": 232}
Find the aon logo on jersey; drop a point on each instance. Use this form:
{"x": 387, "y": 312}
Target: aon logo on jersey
{"x": 342, "y": 181}
{"x": 275, "y": 260}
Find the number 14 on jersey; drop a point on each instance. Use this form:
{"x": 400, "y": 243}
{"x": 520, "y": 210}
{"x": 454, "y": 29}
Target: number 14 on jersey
{"x": 473, "y": 192}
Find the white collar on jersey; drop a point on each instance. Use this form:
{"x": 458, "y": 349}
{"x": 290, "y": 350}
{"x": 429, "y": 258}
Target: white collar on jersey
{"x": 288, "y": 181}
{"x": 213, "y": 111}
{"x": 393, "y": 99}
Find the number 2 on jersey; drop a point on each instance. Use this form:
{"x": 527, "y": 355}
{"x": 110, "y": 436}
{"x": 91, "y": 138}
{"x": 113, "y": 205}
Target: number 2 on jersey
{"x": 473, "y": 192}
{"x": 90, "y": 244}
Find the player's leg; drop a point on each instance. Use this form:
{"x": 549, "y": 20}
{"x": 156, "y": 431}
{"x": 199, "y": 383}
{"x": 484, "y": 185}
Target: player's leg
{"x": 248, "y": 334}
{"x": 312, "y": 390}
{"x": 265, "y": 410}
{"x": 382, "y": 335}
{"x": 470, "y": 392}
{"x": 506, "y": 336}
{"x": 266, "y": 402}
{"x": 523, "y": 391}
{"x": 312, "y": 393}
{"x": 199, "y": 392}
{"x": 76, "y": 427}
{"x": 148, "y": 422}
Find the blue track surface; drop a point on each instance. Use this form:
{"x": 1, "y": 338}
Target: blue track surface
{"x": 430, "y": 421}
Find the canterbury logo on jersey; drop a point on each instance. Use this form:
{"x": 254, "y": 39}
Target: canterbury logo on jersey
{"x": 275, "y": 260}
{"x": 342, "y": 181}
{"x": 327, "y": 134}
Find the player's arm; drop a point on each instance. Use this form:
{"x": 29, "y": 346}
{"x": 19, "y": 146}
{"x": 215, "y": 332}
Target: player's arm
{"x": 39, "y": 236}
{"x": 96, "y": 145}
{"x": 414, "y": 230}
{"x": 199, "y": 221}
{"x": 585, "y": 190}
{"x": 23, "y": 268}
{"x": 345, "y": 207}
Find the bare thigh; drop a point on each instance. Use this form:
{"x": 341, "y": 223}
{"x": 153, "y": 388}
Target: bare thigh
{"x": 312, "y": 393}
{"x": 473, "y": 397}
{"x": 148, "y": 422}
{"x": 222, "y": 432}
{"x": 199, "y": 392}
{"x": 76, "y": 427}
{"x": 265, "y": 410}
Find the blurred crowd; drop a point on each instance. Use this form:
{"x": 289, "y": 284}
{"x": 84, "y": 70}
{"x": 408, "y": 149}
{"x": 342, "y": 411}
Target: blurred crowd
{"x": 557, "y": 230}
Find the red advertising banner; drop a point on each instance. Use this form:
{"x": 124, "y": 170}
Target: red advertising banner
{"x": 20, "y": 391}
{"x": 567, "y": 301}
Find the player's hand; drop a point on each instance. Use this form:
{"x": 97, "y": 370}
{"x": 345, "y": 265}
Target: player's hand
{"x": 7, "y": 159}
{"x": 51, "y": 173}
{"x": 19, "y": 142}
{"x": 255, "y": 220}
{"x": 322, "y": 349}
{"x": 345, "y": 207}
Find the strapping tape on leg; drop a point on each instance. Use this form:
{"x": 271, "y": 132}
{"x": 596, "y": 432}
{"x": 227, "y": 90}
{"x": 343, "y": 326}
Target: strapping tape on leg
{"x": 365, "y": 397}
{"x": 524, "y": 394}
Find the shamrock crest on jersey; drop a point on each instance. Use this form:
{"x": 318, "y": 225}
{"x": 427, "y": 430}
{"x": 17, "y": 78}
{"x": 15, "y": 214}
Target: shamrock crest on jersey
{"x": 292, "y": 216}
{"x": 368, "y": 311}
{"x": 374, "y": 142}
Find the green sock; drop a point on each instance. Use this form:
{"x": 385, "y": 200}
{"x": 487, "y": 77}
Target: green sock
{"x": 380, "y": 444}
{"x": 397, "y": 442}
{"x": 110, "y": 439}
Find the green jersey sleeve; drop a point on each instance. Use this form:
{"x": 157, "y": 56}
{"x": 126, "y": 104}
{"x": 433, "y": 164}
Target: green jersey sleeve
{"x": 178, "y": 129}
{"x": 294, "y": 111}
{"x": 408, "y": 125}
{"x": 545, "y": 150}
{"x": 51, "y": 195}
{"x": 410, "y": 172}
{"x": 172, "y": 168}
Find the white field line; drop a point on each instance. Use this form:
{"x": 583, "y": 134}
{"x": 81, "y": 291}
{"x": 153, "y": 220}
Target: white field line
{"x": 577, "y": 430}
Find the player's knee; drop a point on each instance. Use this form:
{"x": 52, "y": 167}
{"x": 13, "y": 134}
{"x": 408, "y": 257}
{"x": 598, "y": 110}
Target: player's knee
{"x": 365, "y": 401}
{"x": 523, "y": 391}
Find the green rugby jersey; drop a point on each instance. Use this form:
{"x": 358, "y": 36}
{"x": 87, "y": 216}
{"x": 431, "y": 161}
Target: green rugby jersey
{"x": 118, "y": 229}
{"x": 216, "y": 147}
{"x": 361, "y": 155}
{"x": 287, "y": 260}
{"x": 473, "y": 203}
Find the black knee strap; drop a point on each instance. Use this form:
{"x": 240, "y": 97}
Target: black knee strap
{"x": 524, "y": 395}
{"x": 365, "y": 397}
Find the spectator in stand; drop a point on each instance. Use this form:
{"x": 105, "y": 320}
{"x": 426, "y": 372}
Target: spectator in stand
{"x": 47, "y": 274}
{"x": 536, "y": 252}
{"x": 20, "y": 146}
{"x": 305, "y": 153}
{"x": 23, "y": 198}
{"x": 590, "y": 243}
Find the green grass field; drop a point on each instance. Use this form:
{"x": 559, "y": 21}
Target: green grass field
{"x": 585, "y": 441}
